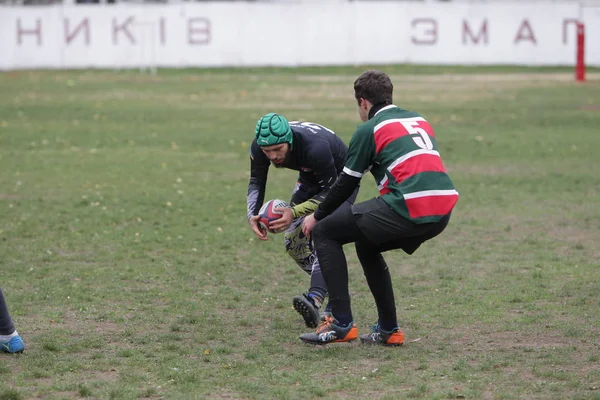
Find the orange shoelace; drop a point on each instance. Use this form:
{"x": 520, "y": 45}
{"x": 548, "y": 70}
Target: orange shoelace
{"x": 323, "y": 326}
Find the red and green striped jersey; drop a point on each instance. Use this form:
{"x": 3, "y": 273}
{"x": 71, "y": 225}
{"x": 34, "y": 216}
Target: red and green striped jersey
{"x": 400, "y": 150}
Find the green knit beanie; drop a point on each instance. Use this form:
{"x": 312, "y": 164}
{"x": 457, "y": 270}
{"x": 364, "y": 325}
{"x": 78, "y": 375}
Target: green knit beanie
{"x": 273, "y": 129}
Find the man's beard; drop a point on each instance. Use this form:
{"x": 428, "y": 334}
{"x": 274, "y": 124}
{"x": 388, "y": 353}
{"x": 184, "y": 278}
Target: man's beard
{"x": 282, "y": 164}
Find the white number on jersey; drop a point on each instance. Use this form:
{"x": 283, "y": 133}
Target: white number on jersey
{"x": 312, "y": 126}
{"x": 418, "y": 134}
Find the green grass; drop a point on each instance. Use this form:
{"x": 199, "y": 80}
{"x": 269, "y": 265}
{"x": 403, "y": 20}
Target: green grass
{"x": 130, "y": 270}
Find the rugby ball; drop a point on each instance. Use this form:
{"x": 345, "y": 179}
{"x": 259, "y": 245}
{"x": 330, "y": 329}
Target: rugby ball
{"x": 266, "y": 213}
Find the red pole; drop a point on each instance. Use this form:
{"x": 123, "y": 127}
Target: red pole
{"x": 580, "y": 64}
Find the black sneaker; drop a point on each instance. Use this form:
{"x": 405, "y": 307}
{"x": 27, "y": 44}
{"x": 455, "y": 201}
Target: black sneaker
{"x": 378, "y": 336}
{"x": 330, "y": 332}
{"x": 305, "y": 307}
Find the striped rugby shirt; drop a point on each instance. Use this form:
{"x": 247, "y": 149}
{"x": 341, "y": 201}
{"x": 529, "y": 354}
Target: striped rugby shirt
{"x": 400, "y": 150}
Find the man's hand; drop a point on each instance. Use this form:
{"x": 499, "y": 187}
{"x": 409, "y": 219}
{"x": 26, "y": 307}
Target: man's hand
{"x": 256, "y": 228}
{"x": 281, "y": 224}
{"x": 308, "y": 224}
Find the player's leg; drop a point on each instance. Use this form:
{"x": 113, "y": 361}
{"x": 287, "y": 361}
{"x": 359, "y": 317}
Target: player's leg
{"x": 387, "y": 230}
{"x": 378, "y": 278}
{"x": 7, "y": 326}
{"x": 308, "y": 304}
{"x": 344, "y": 208}
{"x": 298, "y": 246}
{"x": 380, "y": 224}
{"x": 10, "y": 341}
{"x": 301, "y": 250}
{"x": 329, "y": 236}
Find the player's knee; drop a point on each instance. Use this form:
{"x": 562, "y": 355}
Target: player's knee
{"x": 365, "y": 252}
{"x": 295, "y": 241}
{"x": 362, "y": 247}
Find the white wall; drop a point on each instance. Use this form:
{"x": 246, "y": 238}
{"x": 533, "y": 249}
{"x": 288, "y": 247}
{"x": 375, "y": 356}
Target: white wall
{"x": 274, "y": 34}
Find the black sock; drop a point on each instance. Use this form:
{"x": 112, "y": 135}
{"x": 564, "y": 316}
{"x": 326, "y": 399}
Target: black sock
{"x": 343, "y": 319}
{"x": 387, "y": 326}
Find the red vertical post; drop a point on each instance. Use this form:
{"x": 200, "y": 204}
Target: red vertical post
{"x": 580, "y": 62}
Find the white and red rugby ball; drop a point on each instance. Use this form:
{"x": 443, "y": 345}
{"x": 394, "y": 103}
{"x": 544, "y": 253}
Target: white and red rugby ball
{"x": 266, "y": 213}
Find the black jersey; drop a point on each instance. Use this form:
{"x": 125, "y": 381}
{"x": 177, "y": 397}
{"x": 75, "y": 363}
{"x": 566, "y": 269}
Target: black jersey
{"x": 316, "y": 152}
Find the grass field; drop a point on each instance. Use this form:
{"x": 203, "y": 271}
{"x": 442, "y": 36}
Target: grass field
{"x": 130, "y": 270}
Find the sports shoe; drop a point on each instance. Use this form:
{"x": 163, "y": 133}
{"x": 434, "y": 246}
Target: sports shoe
{"x": 383, "y": 338}
{"x": 325, "y": 312}
{"x": 14, "y": 345}
{"x": 307, "y": 308}
{"x": 329, "y": 332}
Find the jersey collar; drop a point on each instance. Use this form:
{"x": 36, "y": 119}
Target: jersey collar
{"x": 385, "y": 108}
{"x": 377, "y": 108}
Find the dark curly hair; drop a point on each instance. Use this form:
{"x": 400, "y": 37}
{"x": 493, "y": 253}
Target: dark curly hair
{"x": 374, "y": 86}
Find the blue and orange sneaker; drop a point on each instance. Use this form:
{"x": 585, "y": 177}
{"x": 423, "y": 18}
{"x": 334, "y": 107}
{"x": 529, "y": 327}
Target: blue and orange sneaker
{"x": 308, "y": 307}
{"x": 378, "y": 336}
{"x": 14, "y": 345}
{"x": 329, "y": 332}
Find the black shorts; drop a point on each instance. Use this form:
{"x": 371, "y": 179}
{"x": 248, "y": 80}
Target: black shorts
{"x": 387, "y": 230}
